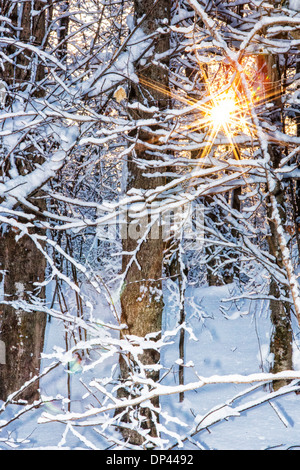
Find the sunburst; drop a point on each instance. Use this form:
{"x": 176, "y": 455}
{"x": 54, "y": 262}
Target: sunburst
{"x": 222, "y": 112}
{"x": 223, "y": 108}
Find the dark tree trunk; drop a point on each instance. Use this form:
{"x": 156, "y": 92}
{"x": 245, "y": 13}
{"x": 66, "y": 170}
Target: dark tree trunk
{"x": 63, "y": 31}
{"x": 21, "y": 263}
{"x": 21, "y": 332}
{"x": 141, "y": 298}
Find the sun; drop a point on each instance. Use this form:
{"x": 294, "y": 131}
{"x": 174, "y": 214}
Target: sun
{"x": 222, "y": 111}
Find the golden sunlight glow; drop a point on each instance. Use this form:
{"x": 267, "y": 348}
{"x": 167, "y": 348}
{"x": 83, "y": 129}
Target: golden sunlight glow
{"x": 222, "y": 112}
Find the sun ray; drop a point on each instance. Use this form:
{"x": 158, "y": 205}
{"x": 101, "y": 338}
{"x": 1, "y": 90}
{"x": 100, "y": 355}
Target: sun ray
{"x": 222, "y": 108}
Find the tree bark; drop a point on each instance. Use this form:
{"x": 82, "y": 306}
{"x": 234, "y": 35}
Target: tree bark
{"x": 141, "y": 298}
{"x": 281, "y": 341}
{"x": 63, "y": 31}
{"x": 21, "y": 332}
{"x": 21, "y": 263}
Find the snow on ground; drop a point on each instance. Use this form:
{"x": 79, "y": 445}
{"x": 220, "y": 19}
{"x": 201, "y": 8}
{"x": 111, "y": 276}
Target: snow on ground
{"x": 235, "y": 342}
{"x": 221, "y": 338}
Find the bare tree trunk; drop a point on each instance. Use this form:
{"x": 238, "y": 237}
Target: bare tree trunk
{"x": 28, "y": 28}
{"x": 63, "y": 30}
{"x": 21, "y": 263}
{"x": 281, "y": 341}
{"x": 21, "y": 332}
{"x": 141, "y": 298}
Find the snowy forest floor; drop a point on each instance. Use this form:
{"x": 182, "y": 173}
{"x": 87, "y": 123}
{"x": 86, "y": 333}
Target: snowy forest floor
{"x": 221, "y": 338}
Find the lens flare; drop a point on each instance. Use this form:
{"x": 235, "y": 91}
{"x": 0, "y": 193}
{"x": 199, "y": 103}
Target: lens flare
{"x": 75, "y": 365}
{"x": 222, "y": 112}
